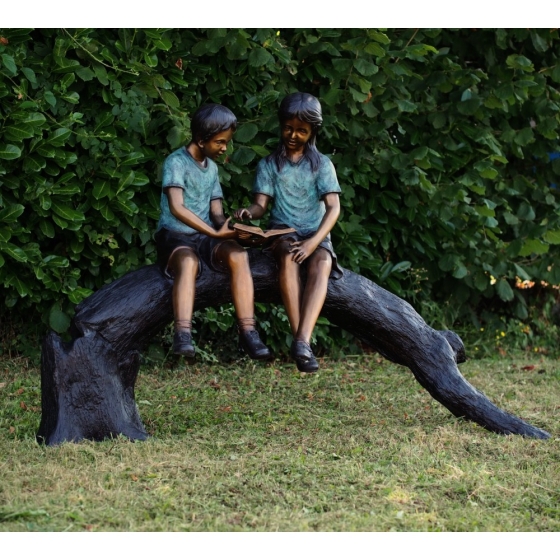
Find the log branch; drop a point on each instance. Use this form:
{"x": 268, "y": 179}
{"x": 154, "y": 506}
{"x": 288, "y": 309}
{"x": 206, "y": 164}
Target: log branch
{"x": 88, "y": 385}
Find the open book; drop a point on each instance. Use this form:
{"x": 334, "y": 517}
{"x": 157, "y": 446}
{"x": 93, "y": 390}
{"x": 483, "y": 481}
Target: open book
{"x": 258, "y": 233}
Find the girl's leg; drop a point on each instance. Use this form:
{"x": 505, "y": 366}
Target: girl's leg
{"x": 184, "y": 265}
{"x": 290, "y": 283}
{"x": 318, "y": 272}
{"x": 243, "y": 296}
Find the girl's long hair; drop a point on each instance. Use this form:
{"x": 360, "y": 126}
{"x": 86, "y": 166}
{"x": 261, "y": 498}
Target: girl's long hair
{"x": 306, "y": 108}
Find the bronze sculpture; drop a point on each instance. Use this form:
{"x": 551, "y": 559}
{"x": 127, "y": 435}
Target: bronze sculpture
{"x": 88, "y": 384}
{"x": 193, "y": 231}
{"x": 301, "y": 183}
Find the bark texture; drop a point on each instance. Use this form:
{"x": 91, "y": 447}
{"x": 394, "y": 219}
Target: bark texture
{"x": 88, "y": 384}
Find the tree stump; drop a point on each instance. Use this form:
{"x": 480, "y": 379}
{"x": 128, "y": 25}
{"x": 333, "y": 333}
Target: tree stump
{"x": 88, "y": 384}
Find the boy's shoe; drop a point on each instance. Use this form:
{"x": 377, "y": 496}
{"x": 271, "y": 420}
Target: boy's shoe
{"x": 250, "y": 342}
{"x": 182, "y": 344}
{"x": 303, "y": 355}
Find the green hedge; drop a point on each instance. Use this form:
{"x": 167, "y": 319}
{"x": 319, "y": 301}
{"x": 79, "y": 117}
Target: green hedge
{"x": 441, "y": 141}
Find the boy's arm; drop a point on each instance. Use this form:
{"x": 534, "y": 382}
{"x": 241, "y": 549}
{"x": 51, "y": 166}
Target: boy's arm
{"x": 178, "y": 209}
{"x": 303, "y": 249}
{"x": 256, "y": 210}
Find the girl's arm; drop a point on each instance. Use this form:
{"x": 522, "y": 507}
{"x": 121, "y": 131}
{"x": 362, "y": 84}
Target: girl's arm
{"x": 303, "y": 249}
{"x": 256, "y": 210}
{"x": 178, "y": 209}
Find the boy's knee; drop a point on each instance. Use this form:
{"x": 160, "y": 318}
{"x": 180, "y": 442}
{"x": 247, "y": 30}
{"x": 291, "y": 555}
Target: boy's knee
{"x": 184, "y": 260}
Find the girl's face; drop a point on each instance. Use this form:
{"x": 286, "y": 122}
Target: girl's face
{"x": 295, "y": 134}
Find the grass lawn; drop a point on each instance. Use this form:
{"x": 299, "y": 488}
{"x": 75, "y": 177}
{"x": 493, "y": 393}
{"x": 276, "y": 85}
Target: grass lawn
{"x": 360, "y": 446}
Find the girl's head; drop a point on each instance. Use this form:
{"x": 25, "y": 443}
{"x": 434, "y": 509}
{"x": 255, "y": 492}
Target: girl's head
{"x": 211, "y": 119}
{"x": 303, "y": 107}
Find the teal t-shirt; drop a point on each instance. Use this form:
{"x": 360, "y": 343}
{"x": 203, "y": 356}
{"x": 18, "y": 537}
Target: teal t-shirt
{"x": 200, "y": 185}
{"x": 297, "y": 192}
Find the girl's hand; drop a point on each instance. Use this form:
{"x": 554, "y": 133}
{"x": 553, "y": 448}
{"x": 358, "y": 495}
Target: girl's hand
{"x": 242, "y": 214}
{"x": 225, "y": 232}
{"x": 302, "y": 249}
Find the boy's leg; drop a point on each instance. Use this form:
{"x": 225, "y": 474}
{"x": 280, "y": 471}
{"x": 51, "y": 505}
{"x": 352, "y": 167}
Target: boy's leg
{"x": 236, "y": 259}
{"x": 184, "y": 265}
{"x": 242, "y": 290}
{"x": 290, "y": 283}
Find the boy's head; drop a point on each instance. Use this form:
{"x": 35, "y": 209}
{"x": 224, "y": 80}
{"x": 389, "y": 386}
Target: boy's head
{"x": 209, "y": 120}
{"x": 212, "y": 127}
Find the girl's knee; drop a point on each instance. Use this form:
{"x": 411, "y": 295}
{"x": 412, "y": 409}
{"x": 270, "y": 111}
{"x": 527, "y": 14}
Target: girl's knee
{"x": 320, "y": 262}
{"x": 234, "y": 255}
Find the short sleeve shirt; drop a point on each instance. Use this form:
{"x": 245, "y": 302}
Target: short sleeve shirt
{"x": 200, "y": 185}
{"x": 297, "y": 191}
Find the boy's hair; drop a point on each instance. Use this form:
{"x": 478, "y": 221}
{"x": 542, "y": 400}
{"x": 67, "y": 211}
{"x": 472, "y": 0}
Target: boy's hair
{"x": 211, "y": 119}
{"x": 306, "y": 108}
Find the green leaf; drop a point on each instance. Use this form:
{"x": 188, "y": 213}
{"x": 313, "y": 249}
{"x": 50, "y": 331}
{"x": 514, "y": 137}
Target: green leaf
{"x": 170, "y": 98}
{"x": 9, "y": 151}
{"x": 11, "y": 213}
{"x": 35, "y": 119}
{"x": 86, "y": 74}
{"x": 533, "y": 246}
{"x": 521, "y": 272}
{"x": 163, "y": 43}
{"x": 9, "y": 63}
{"x": 30, "y": 75}
{"x": 19, "y": 285}
{"x": 261, "y": 151}
{"x": 50, "y": 98}
{"x": 401, "y": 267}
{"x": 406, "y": 106}
{"x": 525, "y": 211}
{"x": 58, "y": 320}
{"x": 59, "y": 136}
{"x": 259, "y": 57}
{"x": 125, "y": 180}
{"x": 56, "y": 261}
{"x": 519, "y": 62}
{"x": 246, "y": 132}
{"x": 18, "y": 132}
{"x": 552, "y": 237}
{"x": 243, "y": 155}
{"x": 524, "y": 136}
{"x": 101, "y": 188}
{"x": 47, "y": 228}
{"x": 13, "y": 251}
{"x": 365, "y": 67}
{"x": 67, "y": 213}
{"x": 34, "y": 163}
{"x": 374, "y": 49}
{"x": 504, "y": 290}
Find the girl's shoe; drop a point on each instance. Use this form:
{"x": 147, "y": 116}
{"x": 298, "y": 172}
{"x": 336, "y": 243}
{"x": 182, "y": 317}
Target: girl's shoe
{"x": 303, "y": 355}
{"x": 250, "y": 342}
{"x": 182, "y": 344}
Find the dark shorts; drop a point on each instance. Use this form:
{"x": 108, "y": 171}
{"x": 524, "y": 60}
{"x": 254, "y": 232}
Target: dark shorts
{"x": 336, "y": 271}
{"x": 204, "y": 246}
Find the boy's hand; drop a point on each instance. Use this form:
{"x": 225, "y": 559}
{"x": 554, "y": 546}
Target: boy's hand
{"x": 302, "y": 249}
{"x": 242, "y": 214}
{"x": 225, "y": 232}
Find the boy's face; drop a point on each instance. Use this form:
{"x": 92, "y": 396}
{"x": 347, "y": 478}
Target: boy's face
{"x": 295, "y": 134}
{"x": 217, "y": 145}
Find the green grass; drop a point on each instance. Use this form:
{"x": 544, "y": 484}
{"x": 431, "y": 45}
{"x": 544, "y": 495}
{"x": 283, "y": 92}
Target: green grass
{"x": 243, "y": 447}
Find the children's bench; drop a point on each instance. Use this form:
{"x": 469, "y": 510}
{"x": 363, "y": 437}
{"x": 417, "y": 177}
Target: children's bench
{"x": 88, "y": 384}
